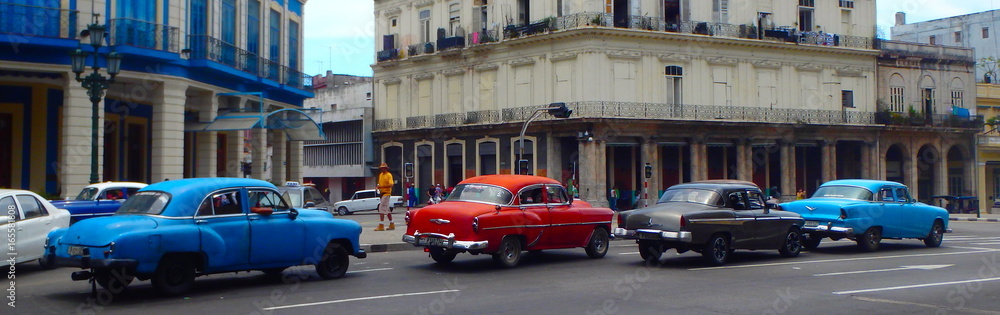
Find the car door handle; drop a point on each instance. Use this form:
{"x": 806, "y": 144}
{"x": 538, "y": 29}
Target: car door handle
{"x": 254, "y": 218}
{"x": 200, "y": 221}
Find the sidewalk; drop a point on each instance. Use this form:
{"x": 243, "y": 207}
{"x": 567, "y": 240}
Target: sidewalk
{"x": 381, "y": 241}
{"x": 972, "y": 217}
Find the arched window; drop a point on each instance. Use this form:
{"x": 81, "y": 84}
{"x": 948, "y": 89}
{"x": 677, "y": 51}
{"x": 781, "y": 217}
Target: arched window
{"x": 957, "y": 93}
{"x": 897, "y": 99}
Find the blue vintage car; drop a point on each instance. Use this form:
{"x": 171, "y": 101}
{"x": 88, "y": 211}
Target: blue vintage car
{"x": 868, "y": 211}
{"x": 95, "y": 200}
{"x": 172, "y": 231}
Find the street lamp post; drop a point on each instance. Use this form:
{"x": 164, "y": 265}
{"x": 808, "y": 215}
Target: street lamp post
{"x": 95, "y": 83}
{"x": 557, "y": 110}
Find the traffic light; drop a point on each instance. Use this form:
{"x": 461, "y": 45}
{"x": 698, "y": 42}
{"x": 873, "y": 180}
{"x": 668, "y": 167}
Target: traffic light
{"x": 559, "y": 110}
{"x": 649, "y": 171}
{"x": 523, "y": 167}
{"x": 408, "y": 170}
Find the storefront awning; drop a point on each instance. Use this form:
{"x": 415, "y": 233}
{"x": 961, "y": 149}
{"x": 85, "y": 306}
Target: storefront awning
{"x": 298, "y": 125}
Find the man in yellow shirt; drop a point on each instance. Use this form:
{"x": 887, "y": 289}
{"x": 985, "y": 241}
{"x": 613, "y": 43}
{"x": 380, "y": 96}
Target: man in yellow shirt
{"x": 384, "y": 186}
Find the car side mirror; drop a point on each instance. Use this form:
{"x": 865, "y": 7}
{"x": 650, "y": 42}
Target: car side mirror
{"x": 293, "y": 213}
{"x": 262, "y": 210}
{"x": 310, "y": 204}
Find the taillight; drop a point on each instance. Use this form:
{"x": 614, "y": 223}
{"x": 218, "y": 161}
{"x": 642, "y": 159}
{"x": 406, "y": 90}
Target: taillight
{"x": 684, "y": 221}
{"x": 475, "y": 224}
{"x": 843, "y": 214}
{"x": 621, "y": 220}
{"x": 406, "y": 218}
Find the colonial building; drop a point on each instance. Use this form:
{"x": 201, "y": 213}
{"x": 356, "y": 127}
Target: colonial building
{"x": 988, "y": 170}
{"x": 977, "y": 31}
{"x": 198, "y": 80}
{"x": 782, "y": 93}
{"x": 341, "y": 164}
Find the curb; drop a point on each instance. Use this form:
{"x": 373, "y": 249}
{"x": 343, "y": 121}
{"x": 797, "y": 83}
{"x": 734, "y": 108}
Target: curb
{"x": 974, "y": 219}
{"x": 391, "y": 247}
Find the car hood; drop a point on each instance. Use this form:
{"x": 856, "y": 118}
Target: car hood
{"x": 101, "y": 231}
{"x": 820, "y": 208}
{"x": 448, "y": 217}
{"x": 665, "y": 216}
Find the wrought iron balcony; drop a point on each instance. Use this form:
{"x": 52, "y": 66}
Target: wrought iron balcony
{"x": 27, "y": 20}
{"x": 388, "y": 54}
{"x": 660, "y": 111}
{"x": 142, "y": 34}
{"x": 214, "y": 49}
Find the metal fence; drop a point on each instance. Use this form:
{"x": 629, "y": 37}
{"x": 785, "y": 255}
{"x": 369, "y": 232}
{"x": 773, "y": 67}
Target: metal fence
{"x": 28, "y": 20}
{"x": 142, "y": 34}
{"x": 214, "y": 49}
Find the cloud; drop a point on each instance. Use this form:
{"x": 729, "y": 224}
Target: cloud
{"x": 339, "y": 18}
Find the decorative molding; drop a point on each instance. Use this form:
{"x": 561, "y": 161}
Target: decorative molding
{"x": 766, "y": 64}
{"x": 487, "y": 67}
{"x": 850, "y": 71}
{"x": 424, "y": 3}
{"x": 391, "y": 81}
{"x": 423, "y": 76}
{"x": 673, "y": 57}
{"x": 522, "y": 62}
{"x": 722, "y": 60}
{"x": 808, "y": 67}
{"x": 391, "y": 12}
{"x": 453, "y": 71}
{"x": 622, "y": 54}
{"x": 564, "y": 55}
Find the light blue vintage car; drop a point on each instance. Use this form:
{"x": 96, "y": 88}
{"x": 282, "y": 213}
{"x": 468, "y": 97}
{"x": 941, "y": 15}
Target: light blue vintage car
{"x": 173, "y": 231}
{"x": 868, "y": 211}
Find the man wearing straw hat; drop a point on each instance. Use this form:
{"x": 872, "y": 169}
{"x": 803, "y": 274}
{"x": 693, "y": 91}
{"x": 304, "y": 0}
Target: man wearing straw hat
{"x": 385, "y": 183}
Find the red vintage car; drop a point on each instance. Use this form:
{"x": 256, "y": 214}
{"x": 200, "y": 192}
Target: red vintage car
{"x": 503, "y": 215}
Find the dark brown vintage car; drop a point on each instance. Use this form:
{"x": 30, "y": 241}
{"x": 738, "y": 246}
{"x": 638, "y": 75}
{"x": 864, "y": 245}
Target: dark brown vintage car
{"x": 713, "y": 218}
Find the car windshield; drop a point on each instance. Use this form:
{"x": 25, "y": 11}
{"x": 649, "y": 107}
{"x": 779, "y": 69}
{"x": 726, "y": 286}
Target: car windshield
{"x": 145, "y": 202}
{"x": 87, "y": 194}
{"x": 847, "y": 192}
{"x": 481, "y": 193}
{"x": 294, "y": 197}
{"x": 702, "y": 196}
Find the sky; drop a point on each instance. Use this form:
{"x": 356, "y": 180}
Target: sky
{"x": 339, "y": 35}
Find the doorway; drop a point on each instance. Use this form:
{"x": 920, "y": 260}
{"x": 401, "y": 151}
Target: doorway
{"x": 135, "y": 158}
{"x": 621, "y": 14}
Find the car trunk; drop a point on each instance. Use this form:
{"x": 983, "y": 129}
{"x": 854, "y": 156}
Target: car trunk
{"x": 98, "y": 232}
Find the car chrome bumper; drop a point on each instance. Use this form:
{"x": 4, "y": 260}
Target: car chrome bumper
{"x": 655, "y": 235}
{"x": 448, "y": 241}
{"x": 86, "y": 262}
{"x": 829, "y": 230}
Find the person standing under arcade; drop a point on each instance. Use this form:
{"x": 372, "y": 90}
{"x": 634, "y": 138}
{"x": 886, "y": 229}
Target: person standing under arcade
{"x": 384, "y": 186}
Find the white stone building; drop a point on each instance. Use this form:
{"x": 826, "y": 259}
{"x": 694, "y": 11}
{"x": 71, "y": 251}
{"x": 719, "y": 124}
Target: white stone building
{"x": 976, "y": 30}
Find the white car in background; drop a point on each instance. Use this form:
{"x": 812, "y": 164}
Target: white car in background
{"x": 364, "y": 200}
{"x": 30, "y": 218}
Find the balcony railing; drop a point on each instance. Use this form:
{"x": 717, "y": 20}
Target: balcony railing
{"x": 935, "y": 120}
{"x": 388, "y": 54}
{"x": 27, "y": 20}
{"x": 214, "y": 49}
{"x": 483, "y": 37}
{"x": 632, "y": 110}
{"x": 142, "y": 34}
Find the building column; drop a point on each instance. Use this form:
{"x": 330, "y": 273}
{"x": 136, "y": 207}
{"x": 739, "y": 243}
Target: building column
{"x": 235, "y": 144}
{"x": 168, "y": 131}
{"x": 278, "y": 141}
{"x": 699, "y": 167}
{"x": 744, "y": 160}
{"x": 593, "y": 175}
{"x": 553, "y": 160}
{"x": 941, "y": 176}
{"x": 207, "y": 160}
{"x": 910, "y": 172}
{"x": 295, "y": 155}
{"x": 74, "y": 160}
{"x": 651, "y": 155}
{"x": 788, "y": 176}
{"x": 258, "y": 153}
{"x": 829, "y": 154}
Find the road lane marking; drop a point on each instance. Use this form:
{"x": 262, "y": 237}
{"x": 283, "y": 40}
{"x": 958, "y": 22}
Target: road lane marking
{"x": 629, "y": 253}
{"x": 915, "y": 286}
{"x": 357, "y": 299}
{"x": 368, "y": 270}
{"x": 968, "y": 310}
{"x": 920, "y": 267}
{"x": 993, "y": 243}
{"x": 973, "y": 248}
{"x": 843, "y": 259}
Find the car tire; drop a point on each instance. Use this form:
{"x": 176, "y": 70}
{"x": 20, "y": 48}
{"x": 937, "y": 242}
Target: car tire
{"x": 174, "y": 276}
{"x": 810, "y": 243}
{"x": 442, "y": 256}
{"x": 792, "y": 244}
{"x": 717, "y": 250}
{"x": 598, "y": 245}
{"x": 650, "y": 252}
{"x": 935, "y": 236}
{"x": 870, "y": 240}
{"x": 343, "y": 211}
{"x": 509, "y": 253}
{"x": 334, "y": 262}
{"x": 113, "y": 280}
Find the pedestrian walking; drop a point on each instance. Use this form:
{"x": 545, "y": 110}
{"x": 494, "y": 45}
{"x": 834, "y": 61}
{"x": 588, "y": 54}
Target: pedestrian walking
{"x": 613, "y": 196}
{"x": 385, "y": 183}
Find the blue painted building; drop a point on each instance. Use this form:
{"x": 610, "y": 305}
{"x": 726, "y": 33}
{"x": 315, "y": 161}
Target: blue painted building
{"x": 206, "y": 86}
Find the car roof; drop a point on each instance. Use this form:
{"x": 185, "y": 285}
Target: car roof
{"x": 870, "y": 184}
{"x": 717, "y": 185}
{"x": 4, "y": 192}
{"x": 104, "y": 185}
{"x": 187, "y": 193}
{"x": 514, "y": 183}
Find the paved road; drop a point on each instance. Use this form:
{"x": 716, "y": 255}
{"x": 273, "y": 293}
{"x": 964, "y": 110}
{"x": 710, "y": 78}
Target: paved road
{"x": 962, "y": 277}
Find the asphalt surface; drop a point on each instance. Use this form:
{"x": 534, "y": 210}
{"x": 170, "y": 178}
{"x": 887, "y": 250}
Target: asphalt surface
{"x": 961, "y": 277}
